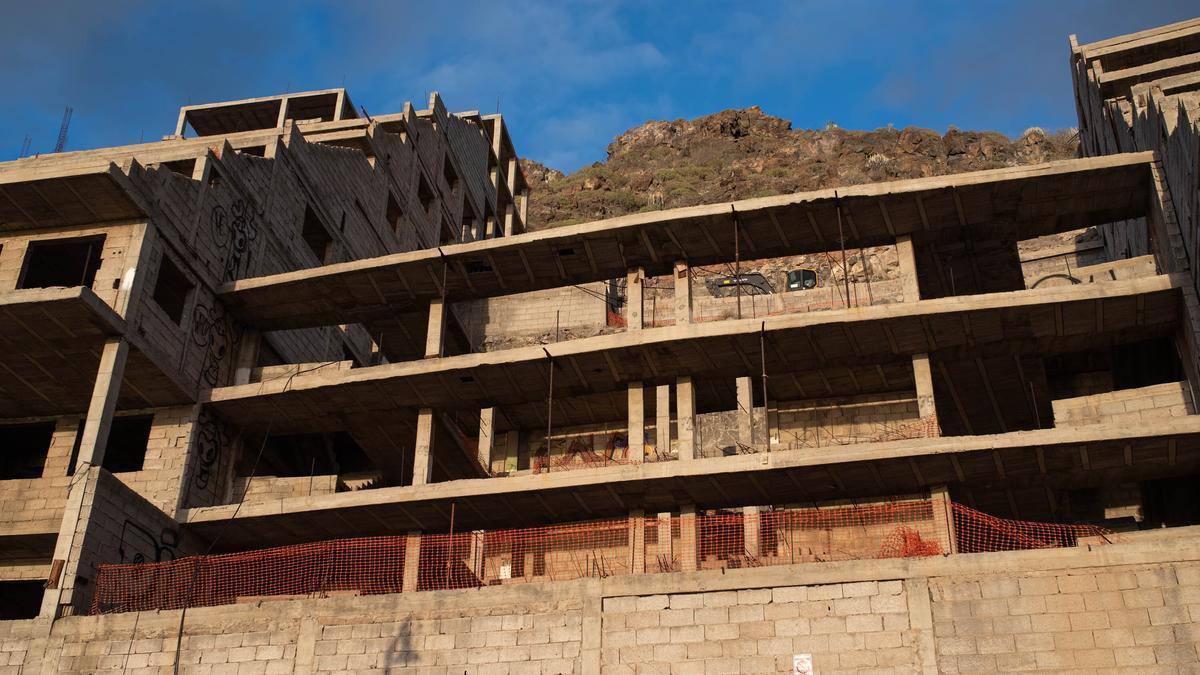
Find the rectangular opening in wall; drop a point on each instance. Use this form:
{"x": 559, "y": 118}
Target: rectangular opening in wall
{"x": 61, "y": 262}
{"x": 315, "y": 235}
{"x": 172, "y": 290}
{"x": 425, "y": 195}
{"x": 183, "y": 167}
{"x": 450, "y": 175}
{"x": 23, "y": 449}
{"x": 394, "y": 213}
{"x": 22, "y": 599}
{"x": 256, "y": 150}
{"x": 127, "y": 441}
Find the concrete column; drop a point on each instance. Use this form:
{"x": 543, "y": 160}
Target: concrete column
{"x": 662, "y": 421}
{"x": 752, "y": 531}
{"x": 247, "y": 355}
{"x": 435, "y": 338}
{"x": 423, "y": 459}
{"x": 475, "y": 554}
{"x": 92, "y": 444}
{"x": 487, "y": 437}
{"x": 104, "y": 400}
{"x": 943, "y": 518}
{"x": 908, "y": 268}
{"x": 637, "y": 421}
{"x": 688, "y": 538}
{"x": 510, "y": 221}
{"x": 665, "y": 543}
{"x": 637, "y": 541}
{"x": 745, "y": 411}
{"x": 685, "y": 417}
{"x": 635, "y": 298}
{"x": 412, "y": 562}
{"x": 926, "y": 404}
{"x": 683, "y": 293}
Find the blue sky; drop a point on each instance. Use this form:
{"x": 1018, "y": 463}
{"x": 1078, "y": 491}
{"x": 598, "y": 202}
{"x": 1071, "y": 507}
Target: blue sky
{"x": 568, "y": 75}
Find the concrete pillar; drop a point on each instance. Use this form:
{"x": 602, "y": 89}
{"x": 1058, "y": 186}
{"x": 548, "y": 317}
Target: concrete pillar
{"x": 926, "y": 404}
{"x": 487, "y": 437}
{"x": 510, "y": 221}
{"x": 685, "y": 417}
{"x": 908, "y": 268}
{"x": 92, "y": 444}
{"x": 423, "y": 459}
{"x": 637, "y": 421}
{"x": 665, "y": 554}
{"x": 943, "y": 518}
{"x": 247, "y": 356}
{"x": 662, "y": 421}
{"x": 752, "y": 531}
{"x": 104, "y": 400}
{"x": 412, "y": 562}
{"x": 637, "y": 541}
{"x": 688, "y": 538}
{"x": 635, "y": 298}
{"x": 475, "y": 554}
{"x": 435, "y": 338}
{"x": 745, "y": 412}
{"x": 683, "y": 293}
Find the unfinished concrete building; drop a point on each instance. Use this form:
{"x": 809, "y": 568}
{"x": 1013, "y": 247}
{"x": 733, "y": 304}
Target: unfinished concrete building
{"x": 293, "y": 390}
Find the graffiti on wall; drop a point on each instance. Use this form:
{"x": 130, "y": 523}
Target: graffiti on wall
{"x": 234, "y": 229}
{"x": 214, "y": 332}
{"x": 210, "y": 440}
{"x": 143, "y": 544}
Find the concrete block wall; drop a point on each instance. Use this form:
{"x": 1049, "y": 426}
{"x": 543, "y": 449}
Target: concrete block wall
{"x": 1126, "y": 406}
{"x": 122, "y": 527}
{"x": 529, "y": 318}
{"x": 162, "y": 471}
{"x": 1130, "y": 606}
{"x": 850, "y": 627}
{"x": 1130, "y": 618}
{"x": 839, "y": 421}
{"x": 263, "y": 488}
{"x": 36, "y": 504}
{"x": 118, "y": 255}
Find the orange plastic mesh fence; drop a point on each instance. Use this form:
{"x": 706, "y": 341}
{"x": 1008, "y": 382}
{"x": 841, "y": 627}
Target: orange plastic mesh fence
{"x": 642, "y": 545}
{"x": 980, "y": 533}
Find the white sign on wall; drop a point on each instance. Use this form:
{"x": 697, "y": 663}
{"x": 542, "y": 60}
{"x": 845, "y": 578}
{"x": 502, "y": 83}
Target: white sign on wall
{"x": 802, "y": 664}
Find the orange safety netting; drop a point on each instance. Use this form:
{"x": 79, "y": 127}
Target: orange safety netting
{"x": 635, "y": 545}
{"x": 978, "y": 532}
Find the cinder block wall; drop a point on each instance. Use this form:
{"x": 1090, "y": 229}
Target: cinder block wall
{"x": 1126, "y": 607}
{"x": 1159, "y": 401}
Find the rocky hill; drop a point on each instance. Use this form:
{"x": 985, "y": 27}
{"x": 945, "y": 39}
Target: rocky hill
{"x": 736, "y": 154}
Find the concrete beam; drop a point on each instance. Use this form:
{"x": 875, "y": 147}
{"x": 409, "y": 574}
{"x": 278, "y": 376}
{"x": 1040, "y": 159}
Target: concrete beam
{"x": 422, "y": 457}
{"x": 908, "y": 268}
{"x": 637, "y": 541}
{"x": 637, "y": 421}
{"x": 662, "y": 421}
{"x": 689, "y": 538}
{"x": 752, "y": 531}
{"x": 635, "y": 298}
{"x": 926, "y": 402}
{"x": 685, "y": 417}
{"x": 412, "y": 562}
{"x": 487, "y": 437}
{"x": 745, "y": 411}
{"x": 683, "y": 292}
{"x": 435, "y": 336}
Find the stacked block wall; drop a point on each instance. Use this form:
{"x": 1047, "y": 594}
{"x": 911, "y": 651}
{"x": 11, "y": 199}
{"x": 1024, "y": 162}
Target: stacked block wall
{"x": 36, "y": 504}
{"x": 1126, "y": 406}
{"x": 840, "y": 421}
{"x": 1126, "y": 608}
